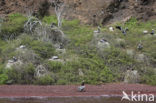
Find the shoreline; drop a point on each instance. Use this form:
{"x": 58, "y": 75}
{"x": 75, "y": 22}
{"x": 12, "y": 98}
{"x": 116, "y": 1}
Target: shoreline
{"x": 105, "y": 90}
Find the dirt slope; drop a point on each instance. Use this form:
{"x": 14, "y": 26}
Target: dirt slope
{"x": 89, "y": 11}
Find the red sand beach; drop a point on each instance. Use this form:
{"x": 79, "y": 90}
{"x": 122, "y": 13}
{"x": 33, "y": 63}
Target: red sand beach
{"x": 71, "y": 90}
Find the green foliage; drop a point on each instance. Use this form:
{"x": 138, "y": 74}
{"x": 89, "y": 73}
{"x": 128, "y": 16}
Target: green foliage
{"x": 79, "y": 35}
{"x": 97, "y": 65}
{"x": 45, "y": 80}
{"x": 50, "y": 19}
{"x": 13, "y": 26}
{"x": 3, "y": 75}
{"x": 23, "y": 74}
{"x": 149, "y": 77}
{"x": 70, "y": 24}
{"x": 44, "y": 49}
{"x": 54, "y": 66}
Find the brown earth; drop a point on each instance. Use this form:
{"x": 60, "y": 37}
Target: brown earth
{"x": 106, "y": 11}
{"x": 113, "y": 89}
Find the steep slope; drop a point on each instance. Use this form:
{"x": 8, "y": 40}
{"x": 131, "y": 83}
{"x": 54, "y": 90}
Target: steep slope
{"x": 88, "y": 11}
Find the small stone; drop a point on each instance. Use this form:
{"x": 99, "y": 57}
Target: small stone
{"x": 140, "y": 57}
{"x": 145, "y": 32}
{"x": 111, "y": 29}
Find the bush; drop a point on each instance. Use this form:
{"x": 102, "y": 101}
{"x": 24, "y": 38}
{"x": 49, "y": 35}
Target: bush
{"x": 50, "y": 19}
{"x": 149, "y": 77}
{"x": 13, "y": 26}
{"x": 23, "y": 74}
{"x": 3, "y": 75}
{"x": 54, "y": 66}
{"x": 44, "y": 49}
{"x": 45, "y": 80}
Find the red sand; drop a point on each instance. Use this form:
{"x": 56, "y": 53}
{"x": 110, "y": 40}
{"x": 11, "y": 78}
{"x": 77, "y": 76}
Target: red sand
{"x": 71, "y": 90}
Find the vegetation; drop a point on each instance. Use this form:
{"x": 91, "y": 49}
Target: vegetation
{"x": 83, "y": 60}
{"x": 13, "y": 26}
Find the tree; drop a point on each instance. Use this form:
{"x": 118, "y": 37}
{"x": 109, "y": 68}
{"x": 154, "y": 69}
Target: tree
{"x": 59, "y": 9}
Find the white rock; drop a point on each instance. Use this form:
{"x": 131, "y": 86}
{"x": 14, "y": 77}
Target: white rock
{"x": 22, "y": 46}
{"x": 145, "y": 32}
{"x": 54, "y": 57}
{"x": 81, "y": 73}
{"x": 140, "y": 57}
{"x": 130, "y": 52}
{"x": 12, "y": 63}
{"x": 111, "y": 29}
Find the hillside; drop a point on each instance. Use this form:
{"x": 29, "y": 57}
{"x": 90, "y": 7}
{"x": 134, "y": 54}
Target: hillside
{"x": 37, "y": 48}
{"x": 106, "y": 11}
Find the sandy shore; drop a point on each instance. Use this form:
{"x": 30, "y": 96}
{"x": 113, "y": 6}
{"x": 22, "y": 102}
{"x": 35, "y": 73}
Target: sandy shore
{"x": 71, "y": 90}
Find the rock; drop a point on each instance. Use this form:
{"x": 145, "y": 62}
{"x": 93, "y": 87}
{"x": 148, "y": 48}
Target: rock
{"x": 81, "y": 73}
{"x": 103, "y": 44}
{"x": 61, "y": 51}
{"x": 120, "y": 40}
{"x": 56, "y": 58}
{"x": 140, "y": 57}
{"x": 13, "y": 63}
{"x": 40, "y": 71}
{"x": 145, "y": 32}
{"x": 111, "y": 29}
{"x": 130, "y": 52}
{"x": 21, "y": 47}
{"x": 131, "y": 76}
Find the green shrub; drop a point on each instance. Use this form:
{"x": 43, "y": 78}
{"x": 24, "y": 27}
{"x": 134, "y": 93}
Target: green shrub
{"x": 44, "y": 49}
{"x": 70, "y": 24}
{"x": 106, "y": 75}
{"x": 54, "y": 66}
{"x": 13, "y": 26}
{"x": 3, "y": 75}
{"x": 50, "y": 19}
{"x": 45, "y": 80}
{"x": 3, "y": 78}
{"x": 149, "y": 77}
{"x": 23, "y": 74}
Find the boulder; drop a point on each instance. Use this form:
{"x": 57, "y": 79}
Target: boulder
{"x": 13, "y": 63}
{"x": 80, "y": 72}
{"x": 111, "y": 29}
{"x": 102, "y": 44}
{"x": 130, "y": 52}
{"x": 56, "y": 58}
{"x": 131, "y": 76}
{"x": 145, "y": 32}
{"x": 140, "y": 57}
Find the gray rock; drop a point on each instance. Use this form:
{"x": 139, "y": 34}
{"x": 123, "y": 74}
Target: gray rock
{"x": 131, "y": 76}
{"x": 81, "y": 72}
{"x": 140, "y": 57}
{"x": 130, "y": 52}
{"x": 12, "y": 63}
{"x": 145, "y": 32}
{"x": 56, "y": 58}
{"x": 61, "y": 51}
{"x": 102, "y": 44}
{"x": 111, "y": 29}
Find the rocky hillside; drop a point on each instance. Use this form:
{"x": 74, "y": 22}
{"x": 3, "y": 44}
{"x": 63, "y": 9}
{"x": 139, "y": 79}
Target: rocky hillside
{"x": 88, "y": 11}
{"x": 35, "y": 50}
